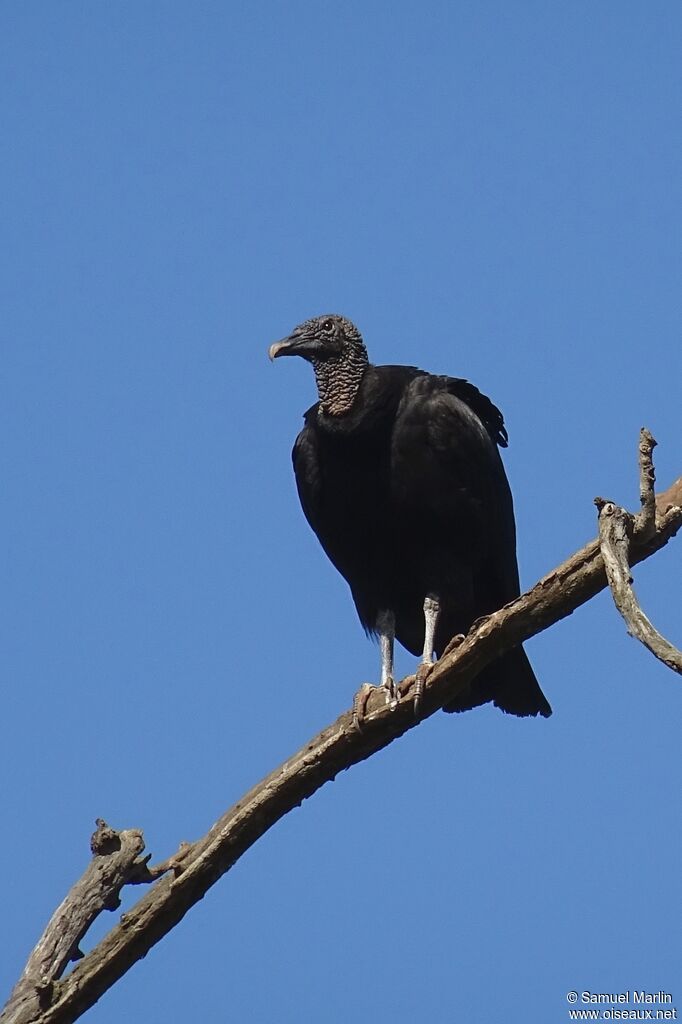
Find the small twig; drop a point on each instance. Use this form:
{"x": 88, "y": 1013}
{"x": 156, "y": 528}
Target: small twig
{"x": 173, "y": 863}
{"x": 645, "y": 520}
{"x": 615, "y": 528}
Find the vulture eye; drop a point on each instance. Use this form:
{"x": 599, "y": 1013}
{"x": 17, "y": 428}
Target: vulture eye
{"x": 328, "y": 325}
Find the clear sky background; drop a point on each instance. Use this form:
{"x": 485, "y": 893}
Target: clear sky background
{"x": 488, "y": 189}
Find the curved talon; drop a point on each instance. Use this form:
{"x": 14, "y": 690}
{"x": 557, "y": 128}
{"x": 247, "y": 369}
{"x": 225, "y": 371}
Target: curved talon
{"x": 420, "y": 678}
{"x": 360, "y": 705}
{"x": 456, "y": 642}
{"x": 404, "y": 686}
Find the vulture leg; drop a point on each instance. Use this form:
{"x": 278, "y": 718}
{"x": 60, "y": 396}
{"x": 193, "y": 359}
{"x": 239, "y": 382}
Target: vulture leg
{"x": 431, "y": 613}
{"x": 386, "y": 631}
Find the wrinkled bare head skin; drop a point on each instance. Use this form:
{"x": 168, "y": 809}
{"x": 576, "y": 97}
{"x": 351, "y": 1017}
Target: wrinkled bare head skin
{"x": 334, "y": 347}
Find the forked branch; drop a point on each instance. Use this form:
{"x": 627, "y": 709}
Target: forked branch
{"x": 616, "y": 528}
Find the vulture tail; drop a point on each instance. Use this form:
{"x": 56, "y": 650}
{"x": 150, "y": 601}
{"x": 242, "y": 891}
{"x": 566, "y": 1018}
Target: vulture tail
{"x": 510, "y": 684}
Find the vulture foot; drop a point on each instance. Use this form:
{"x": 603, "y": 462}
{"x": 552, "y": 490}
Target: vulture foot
{"x": 361, "y": 699}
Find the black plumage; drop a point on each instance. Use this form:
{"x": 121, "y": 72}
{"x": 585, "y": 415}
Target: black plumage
{"x": 400, "y": 477}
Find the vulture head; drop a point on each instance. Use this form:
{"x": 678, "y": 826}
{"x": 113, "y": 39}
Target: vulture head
{"x": 338, "y": 355}
{"x": 323, "y": 338}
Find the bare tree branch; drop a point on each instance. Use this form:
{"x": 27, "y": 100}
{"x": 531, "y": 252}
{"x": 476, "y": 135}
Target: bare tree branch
{"x": 615, "y": 528}
{"x": 196, "y": 867}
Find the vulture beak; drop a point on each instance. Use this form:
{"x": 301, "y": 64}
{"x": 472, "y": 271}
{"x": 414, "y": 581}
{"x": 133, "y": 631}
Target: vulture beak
{"x": 279, "y": 348}
{"x": 295, "y": 345}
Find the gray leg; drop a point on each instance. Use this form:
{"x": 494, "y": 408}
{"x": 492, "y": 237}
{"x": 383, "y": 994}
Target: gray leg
{"x": 431, "y": 613}
{"x": 386, "y": 628}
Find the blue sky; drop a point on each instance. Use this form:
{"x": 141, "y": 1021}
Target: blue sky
{"x": 490, "y": 190}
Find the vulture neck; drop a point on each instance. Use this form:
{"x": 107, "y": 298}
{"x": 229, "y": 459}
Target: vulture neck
{"x": 338, "y": 381}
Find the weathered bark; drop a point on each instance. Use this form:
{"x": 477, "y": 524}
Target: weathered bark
{"x": 115, "y": 863}
{"x": 196, "y": 867}
{"x": 615, "y": 528}
{"x": 645, "y": 521}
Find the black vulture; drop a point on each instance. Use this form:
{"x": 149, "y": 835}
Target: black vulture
{"x": 400, "y": 477}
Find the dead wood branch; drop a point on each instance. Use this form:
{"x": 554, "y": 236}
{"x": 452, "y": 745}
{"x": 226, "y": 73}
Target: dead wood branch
{"x": 199, "y": 865}
{"x": 116, "y": 862}
{"x": 615, "y": 528}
